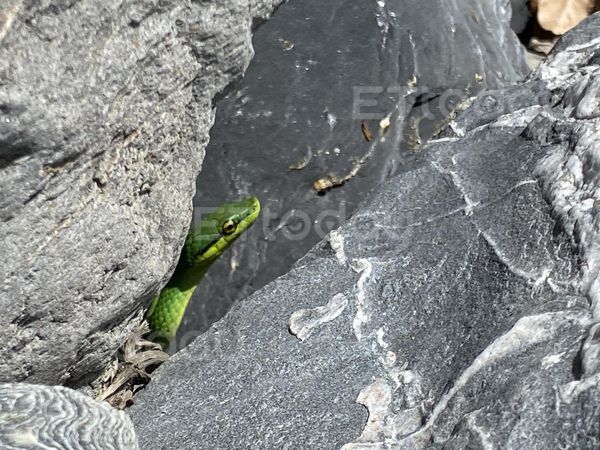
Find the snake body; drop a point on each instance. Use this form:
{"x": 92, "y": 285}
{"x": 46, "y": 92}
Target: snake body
{"x": 204, "y": 244}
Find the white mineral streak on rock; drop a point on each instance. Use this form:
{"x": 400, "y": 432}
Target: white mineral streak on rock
{"x": 460, "y": 132}
{"x": 383, "y": 427}
{"x": 45, "y": 417}
{"x": 481, "y": 432}
{"x": 442, "y": 140}
{"x": 558, "y": 68}
{"x": 389, "y": 359}
{"x": 364, "y": 267}
{"x": 552, "y": 360}
{"x": 520, "y": 118}
{"x": 336, "y": 241}
{"x": 589, "y": 105}
{"x": 302, "y": 323}
{"x": 376, "y": 398}
{"x": 470, "y": 204}
{"x": 537, "y": 278}
{"x": 380, "y": 335}
{"x": 527, "y": 332}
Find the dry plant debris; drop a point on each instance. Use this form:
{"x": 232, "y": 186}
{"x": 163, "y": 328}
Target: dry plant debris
{"x": 123, "y": 378}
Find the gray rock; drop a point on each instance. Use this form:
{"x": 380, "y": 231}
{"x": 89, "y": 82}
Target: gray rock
{"x": 451, "y": 311}
{"x": 105, "y": 109}
{"x": 37, "y": 417}
{"x": 300, "y": 102}
{"x": 520, "y": 15}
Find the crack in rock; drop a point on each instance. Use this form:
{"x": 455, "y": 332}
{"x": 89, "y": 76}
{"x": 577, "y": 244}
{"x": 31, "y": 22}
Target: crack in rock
{"x": 527, "y": 332}
{"x": 538, "y": 279}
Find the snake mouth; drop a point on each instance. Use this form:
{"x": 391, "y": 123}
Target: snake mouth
{"x": 253, "y": 211}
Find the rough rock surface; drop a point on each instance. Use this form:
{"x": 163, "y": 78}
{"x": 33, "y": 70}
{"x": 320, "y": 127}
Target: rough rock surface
{"x": 36, "y": 417}
{"x": 105, "y": 109}
{"x": 451, "y": 311}
{"x": 520, "y": 15}
{"x": 300, "y": 103}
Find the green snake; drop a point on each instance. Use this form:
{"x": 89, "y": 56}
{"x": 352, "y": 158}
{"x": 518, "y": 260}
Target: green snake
{"x": 205, "y": 242}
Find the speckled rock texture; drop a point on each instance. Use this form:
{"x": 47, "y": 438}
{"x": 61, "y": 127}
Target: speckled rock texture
{"x": 105, "y": 109}
{"x": 34, "y": 417}
{"x": 451, "y": 311}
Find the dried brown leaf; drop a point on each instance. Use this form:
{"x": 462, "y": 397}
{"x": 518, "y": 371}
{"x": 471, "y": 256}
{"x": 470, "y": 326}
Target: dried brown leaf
{"x": 366, "y": 131}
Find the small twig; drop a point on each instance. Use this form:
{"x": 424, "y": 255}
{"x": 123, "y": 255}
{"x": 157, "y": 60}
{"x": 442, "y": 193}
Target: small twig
{"x": 366, "y": 132}
{"x": 332, "y": 180}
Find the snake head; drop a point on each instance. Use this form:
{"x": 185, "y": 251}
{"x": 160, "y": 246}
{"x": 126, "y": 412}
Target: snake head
{"x": 217, "y": 230}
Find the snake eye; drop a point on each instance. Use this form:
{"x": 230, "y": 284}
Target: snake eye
{"x": 229, "y": 226}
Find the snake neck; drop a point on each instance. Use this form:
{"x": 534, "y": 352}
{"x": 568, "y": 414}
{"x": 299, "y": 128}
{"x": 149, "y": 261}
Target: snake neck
{"x": 167, "y": 309}
{"x": 187, "y": 278}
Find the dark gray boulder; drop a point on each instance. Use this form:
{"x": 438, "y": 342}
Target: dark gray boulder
{"x": 451, "y": 311}
{"x": 520, "y": 15}
{"x": 105, "y": 109}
